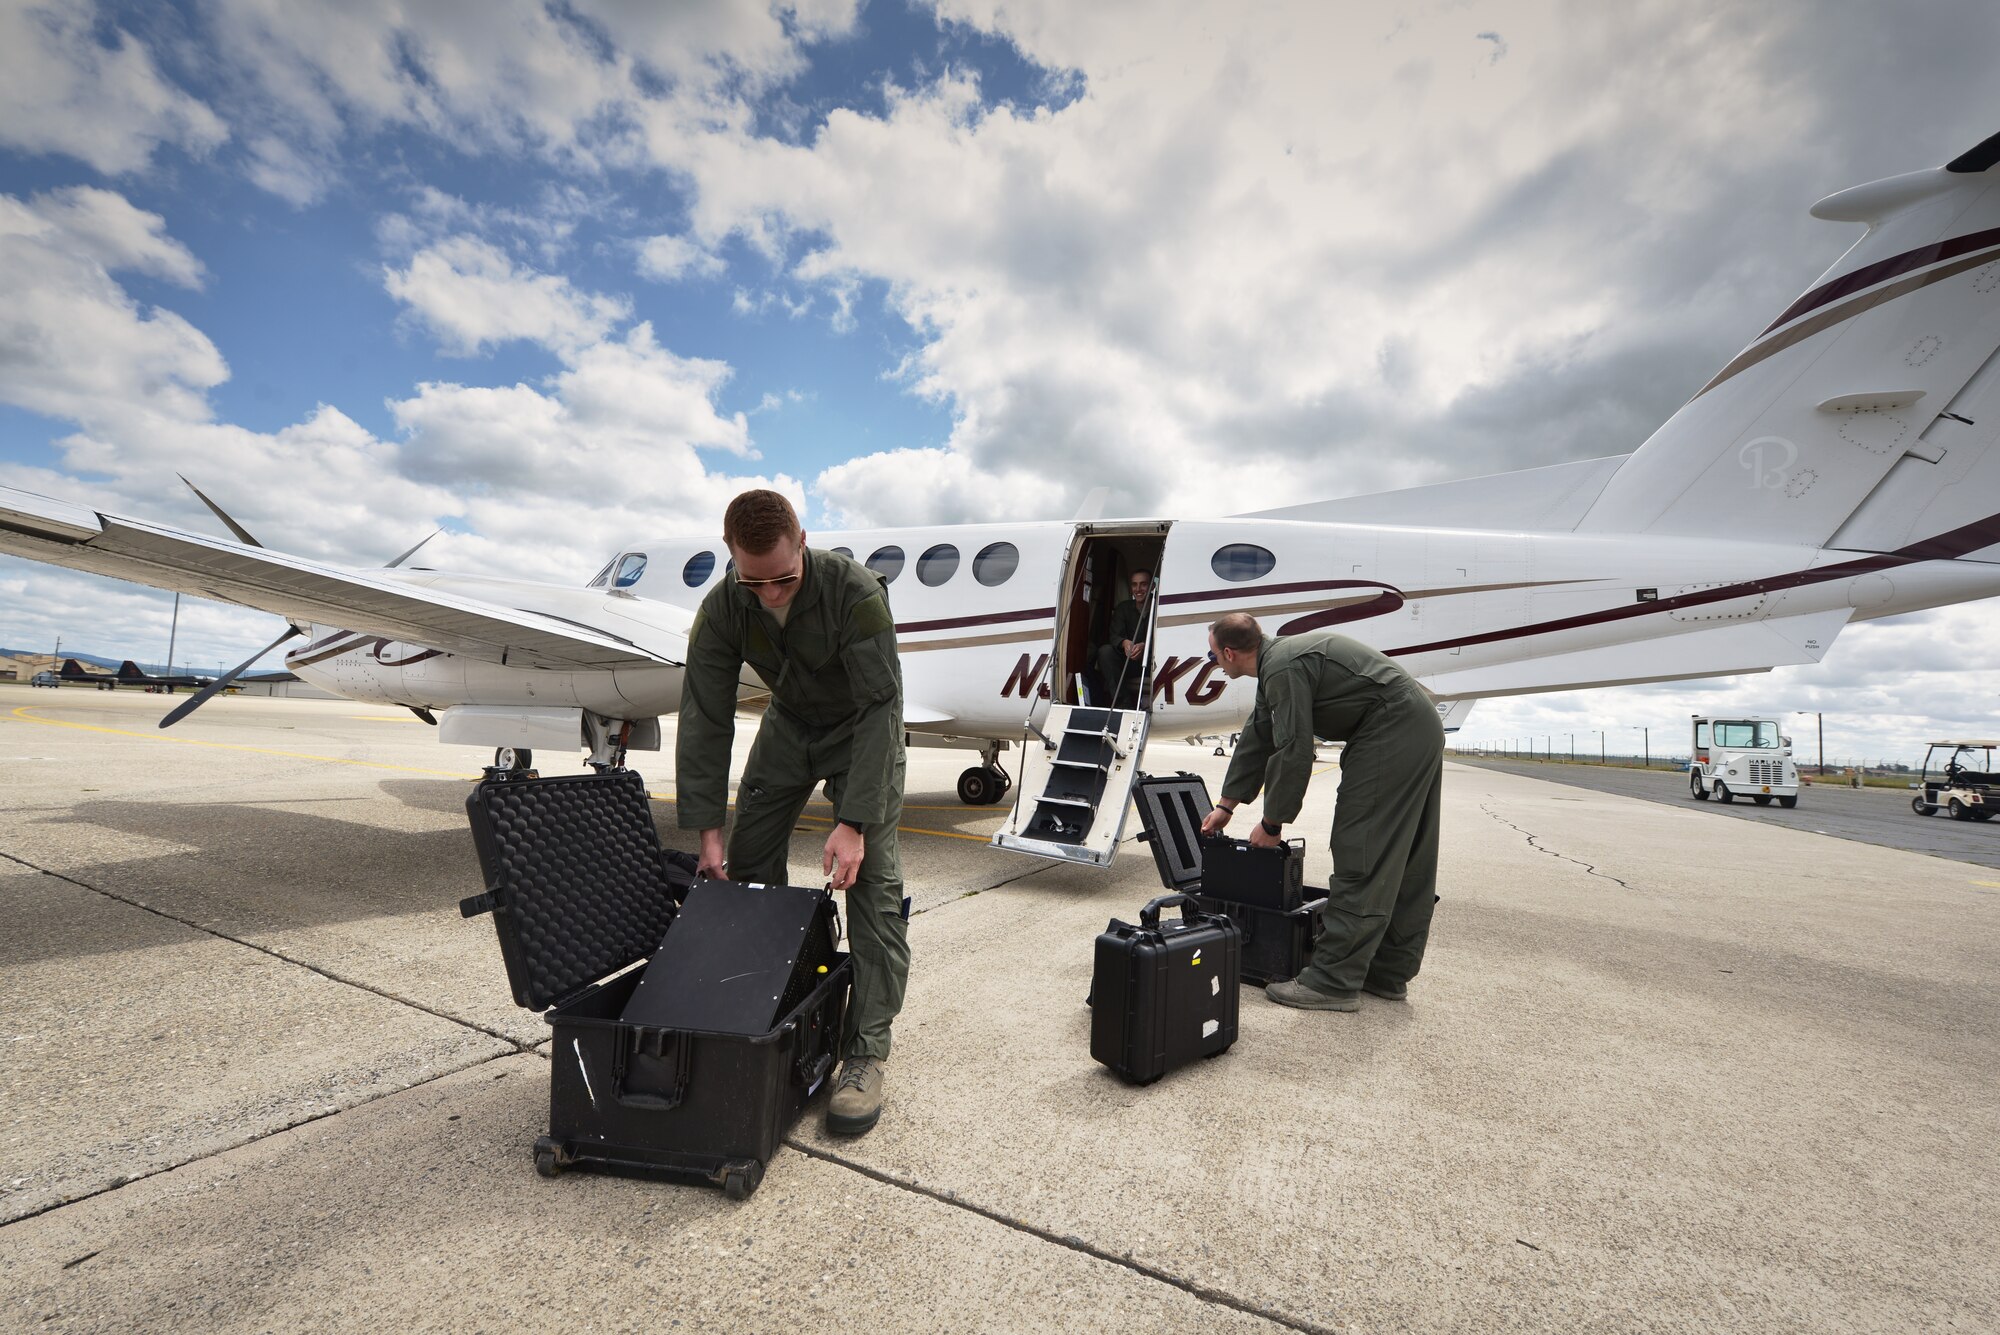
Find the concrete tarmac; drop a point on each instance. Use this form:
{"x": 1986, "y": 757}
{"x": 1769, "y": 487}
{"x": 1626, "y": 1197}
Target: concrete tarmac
{"x": 1662, "y": 1072}
{"x": 1868, "y": 815}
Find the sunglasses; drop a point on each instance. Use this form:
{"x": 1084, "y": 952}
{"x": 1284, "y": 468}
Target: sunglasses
{"x": 780, "y": 582}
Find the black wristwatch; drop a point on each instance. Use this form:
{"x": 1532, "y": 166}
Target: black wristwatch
{"x": 1273, "y": 830}
{"x": 853, "y": 825}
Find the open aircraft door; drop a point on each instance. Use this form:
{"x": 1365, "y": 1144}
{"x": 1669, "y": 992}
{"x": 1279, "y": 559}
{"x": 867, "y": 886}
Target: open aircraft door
{"x": 1078, "y": 767}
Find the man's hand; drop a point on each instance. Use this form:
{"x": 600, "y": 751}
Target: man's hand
{"x": 1216, "y": 818}
{"x": 1133, "y": 648}
{"x": 711, "y": 868}
{"x": 844, "y": 850}
{"x": 1262, "y": 838}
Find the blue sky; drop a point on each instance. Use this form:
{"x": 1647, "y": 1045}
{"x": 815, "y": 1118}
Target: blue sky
{"x": 554, "y": 275}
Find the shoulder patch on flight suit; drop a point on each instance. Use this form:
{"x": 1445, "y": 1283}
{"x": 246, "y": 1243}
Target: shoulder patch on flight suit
{"x": 871, "y": 616}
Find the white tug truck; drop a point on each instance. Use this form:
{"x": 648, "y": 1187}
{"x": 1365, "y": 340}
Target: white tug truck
{"x": 1742, "y": 757}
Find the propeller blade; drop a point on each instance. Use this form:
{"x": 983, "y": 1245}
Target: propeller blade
{"x": 424, "y": 714}
{"x": 414, "y": 550}
{"x": 209, "y": 691}
{"x": 242, "y": 533}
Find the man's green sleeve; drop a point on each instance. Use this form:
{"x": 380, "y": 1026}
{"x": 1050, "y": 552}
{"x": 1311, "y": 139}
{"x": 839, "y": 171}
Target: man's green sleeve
{"x": 1245, "y": 778}
{"x": 706, "y": 729}
{"x": 874, "y": 674}
{"x": 1290, "y": 695}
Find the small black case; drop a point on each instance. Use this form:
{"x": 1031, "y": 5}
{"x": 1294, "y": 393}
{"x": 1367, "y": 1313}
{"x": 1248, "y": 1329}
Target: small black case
{"x": 1163, "y": 994}
{"x": 1265, "y": 878}
{"x": 579, "y": 888}
{"x": 1275, "y": 945}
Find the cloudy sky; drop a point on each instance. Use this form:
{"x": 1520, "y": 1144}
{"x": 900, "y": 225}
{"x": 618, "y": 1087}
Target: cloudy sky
{"x": 554, "y": 273}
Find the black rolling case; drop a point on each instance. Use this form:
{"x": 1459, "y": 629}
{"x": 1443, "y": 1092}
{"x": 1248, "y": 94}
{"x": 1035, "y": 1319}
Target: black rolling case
{"x": 1261, "y": 890}
{"x": 1163, "y": 994}
{"x": 707, "y": 1081}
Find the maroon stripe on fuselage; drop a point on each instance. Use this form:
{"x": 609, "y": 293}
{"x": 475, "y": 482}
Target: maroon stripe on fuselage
{"x": 1882, "y": 270}
{"x": 1944, "y": 547}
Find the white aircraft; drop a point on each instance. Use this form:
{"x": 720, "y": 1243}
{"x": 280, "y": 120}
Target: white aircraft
{"x": 1842, "y": 467}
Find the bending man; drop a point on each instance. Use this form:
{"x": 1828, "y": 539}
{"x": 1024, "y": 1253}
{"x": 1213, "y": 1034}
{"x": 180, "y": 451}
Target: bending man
{"x": 815, "y": 627}
{"x": 1385, "y": 819}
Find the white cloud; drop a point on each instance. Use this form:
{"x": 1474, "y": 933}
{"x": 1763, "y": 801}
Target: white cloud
{"x": 63, "y": 90}
{"x": 667, "y": 258}
{"x": 472, "y": 296}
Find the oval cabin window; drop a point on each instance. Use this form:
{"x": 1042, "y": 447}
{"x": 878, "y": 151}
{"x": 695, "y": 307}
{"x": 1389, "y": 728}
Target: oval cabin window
{"x": 938, "y": 564}
{"x": 1242, "y": 561}
{"x": 996, "y": 563}
{"x": 847, "y": 552}
{"x": 887, "y": 562}
{"x": 699, "y": 567}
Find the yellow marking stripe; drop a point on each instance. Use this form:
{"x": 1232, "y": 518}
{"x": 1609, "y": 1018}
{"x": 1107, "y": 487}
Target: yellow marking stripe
{"x": 23, "y": 714}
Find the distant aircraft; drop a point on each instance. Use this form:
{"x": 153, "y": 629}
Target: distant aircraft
{"x": 74, "y": 672}
{"x": 1841, "y": 468}
{"x": 130, "y": 674}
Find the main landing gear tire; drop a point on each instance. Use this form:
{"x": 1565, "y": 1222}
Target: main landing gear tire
{"x": 515, "y": 758}
{"x": 1789, "y": 802}
{"x": 982, "y": 786}
{"x": 1761, "y": 799}
{"x": 1921, "y": 807}
{"x": 1723, "y": 795}
{"x": 1695, "y": 790}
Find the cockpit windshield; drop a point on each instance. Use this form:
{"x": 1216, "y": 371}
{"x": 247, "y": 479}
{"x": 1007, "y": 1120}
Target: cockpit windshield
{"x": 621, "y": 572}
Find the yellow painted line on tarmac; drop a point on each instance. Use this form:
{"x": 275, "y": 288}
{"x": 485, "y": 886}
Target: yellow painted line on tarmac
{"x": 23, "y": 714}
{"x": 1989, "y": 885}
{"x": 910, "y": 829}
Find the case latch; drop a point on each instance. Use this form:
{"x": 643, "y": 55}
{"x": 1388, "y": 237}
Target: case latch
{"x": 477, "y": 904}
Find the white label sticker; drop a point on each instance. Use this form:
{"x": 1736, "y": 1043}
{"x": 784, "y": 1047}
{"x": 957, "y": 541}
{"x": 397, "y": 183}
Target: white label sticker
{"x": 1215, "y": 986}
{"x": 1209, "y": 1027}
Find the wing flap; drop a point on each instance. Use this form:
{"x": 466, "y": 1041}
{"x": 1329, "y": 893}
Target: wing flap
{"x": 376, "y": 603}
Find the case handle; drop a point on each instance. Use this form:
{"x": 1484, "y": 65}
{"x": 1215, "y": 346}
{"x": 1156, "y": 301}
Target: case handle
{"x": 1150, "y": 915}
{"x": 657, "y": 1101}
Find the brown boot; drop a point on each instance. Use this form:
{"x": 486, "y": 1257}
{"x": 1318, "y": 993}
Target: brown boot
{"x": 1292, "y": 992}
{"x": 857, "y": 1097}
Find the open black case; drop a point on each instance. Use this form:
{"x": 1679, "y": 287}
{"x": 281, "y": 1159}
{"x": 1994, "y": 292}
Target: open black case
{"x": 579, "y": 888}
{"x": 1258, "y": 889}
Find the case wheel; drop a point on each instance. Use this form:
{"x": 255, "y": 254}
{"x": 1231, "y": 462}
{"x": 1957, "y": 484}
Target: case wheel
{"x": 513, "y": 758}
{"x": 549, "y": 1158}
{"x": 740, "y": 1179}
{"x": 981, "y": 786}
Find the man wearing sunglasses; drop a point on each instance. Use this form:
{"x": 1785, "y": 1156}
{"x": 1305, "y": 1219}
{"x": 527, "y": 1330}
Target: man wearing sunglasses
{"x": 815, "y": 628}
{"x": 1385, "y": 821}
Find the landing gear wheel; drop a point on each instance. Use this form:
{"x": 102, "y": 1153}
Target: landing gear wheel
{"x": 514, "y": 758}
{"x": 1761, "y": 799}
{"x": 1958, "y": 810}
{"x": 981, "y": 787}
{"x": 1921, "y": 807}
{"x": 740, "y": 1179}
{"x": 1723, "y": 795}
{"x": 1789, "y": 802}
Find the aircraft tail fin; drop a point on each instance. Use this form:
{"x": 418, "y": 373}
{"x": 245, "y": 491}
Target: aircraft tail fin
{"x": 129, "y": 671}
{"x": 1867, "y": 416}
{"x": 73, "y": 669}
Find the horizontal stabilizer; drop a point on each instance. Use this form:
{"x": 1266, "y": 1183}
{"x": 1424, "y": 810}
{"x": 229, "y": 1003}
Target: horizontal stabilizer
{"x": 1550, "y": 499}
{"x": 1756, "y": 646}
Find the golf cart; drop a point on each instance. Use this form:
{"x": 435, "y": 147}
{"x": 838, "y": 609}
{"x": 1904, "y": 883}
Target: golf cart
{"x": 1960, "y": 777}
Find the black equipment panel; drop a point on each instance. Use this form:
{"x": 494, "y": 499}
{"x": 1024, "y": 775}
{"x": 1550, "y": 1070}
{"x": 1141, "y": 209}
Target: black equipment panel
{"x": 738, "y": 959}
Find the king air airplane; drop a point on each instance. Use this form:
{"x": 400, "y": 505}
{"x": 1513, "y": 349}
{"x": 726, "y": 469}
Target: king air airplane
{"x": 1844, "y": 466}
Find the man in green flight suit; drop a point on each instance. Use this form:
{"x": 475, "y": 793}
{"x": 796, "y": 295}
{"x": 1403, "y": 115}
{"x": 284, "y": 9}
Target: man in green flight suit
{"x": 815, "y": 628}
{"x": 1121, "y": 661}
{"x": 1385, "y": 819}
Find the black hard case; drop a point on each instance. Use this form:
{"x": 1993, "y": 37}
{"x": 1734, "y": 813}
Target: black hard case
{"x": 1261, "y": 894}
{"x": 579, "y": 888}
{"x": 1163, "y": 994}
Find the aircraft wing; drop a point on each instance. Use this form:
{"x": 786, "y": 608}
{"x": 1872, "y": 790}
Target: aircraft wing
{"x": 59, "y": 533}
{"x": 1721, "y": 651}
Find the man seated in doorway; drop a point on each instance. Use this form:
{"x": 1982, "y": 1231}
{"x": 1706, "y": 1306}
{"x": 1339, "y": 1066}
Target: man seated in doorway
{"x": 1121, "y": 662}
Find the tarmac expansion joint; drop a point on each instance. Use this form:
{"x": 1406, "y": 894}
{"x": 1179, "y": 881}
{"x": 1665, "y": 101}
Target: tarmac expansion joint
{"x": 1542, "y": 848}
{"x": 1070, "y": 1241}
{"x": 518, "y": 1045}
